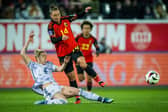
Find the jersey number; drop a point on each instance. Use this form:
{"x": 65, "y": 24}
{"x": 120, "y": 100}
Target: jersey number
{"x": 85, "y": 47}
{"x": 46, "y": 71}
{"x": 64, "y": 32}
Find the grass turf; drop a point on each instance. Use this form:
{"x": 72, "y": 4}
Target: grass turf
{"x": 141, "y": 99}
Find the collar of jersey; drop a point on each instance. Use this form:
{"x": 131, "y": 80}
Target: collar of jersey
{"x": 84, "y": 37}
{"x": 56, "y": 22}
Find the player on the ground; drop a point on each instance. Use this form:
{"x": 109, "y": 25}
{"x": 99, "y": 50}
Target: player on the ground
{"x": 85, "y": 41}
{"x": 62, "y": 37}
{"x": 42, "y": 74}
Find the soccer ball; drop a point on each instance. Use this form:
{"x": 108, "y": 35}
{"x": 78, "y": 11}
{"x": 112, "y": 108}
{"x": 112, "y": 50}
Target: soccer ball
{"x": 152, "y": 77}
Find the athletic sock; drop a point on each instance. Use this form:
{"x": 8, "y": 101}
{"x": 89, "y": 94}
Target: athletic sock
{"x": 89, "y": 86}
{"x": 78, "y": 101}
{"x": 90, "y": 95}
{"x": 97, "y": 79}
{"x": 77, "y": 97}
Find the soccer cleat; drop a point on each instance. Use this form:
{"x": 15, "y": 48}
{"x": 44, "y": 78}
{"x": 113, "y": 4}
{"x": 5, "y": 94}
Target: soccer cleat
{"x": 101, "y": 83}
{"x": 78, "y": 101}
{"x": 40, "y": 102}
{"x": 107, "y": 100}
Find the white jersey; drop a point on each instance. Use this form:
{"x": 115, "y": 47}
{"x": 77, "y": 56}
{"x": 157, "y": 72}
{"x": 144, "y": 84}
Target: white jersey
{"x": 42, "y": 74}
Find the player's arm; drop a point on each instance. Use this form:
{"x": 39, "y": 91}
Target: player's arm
{"x": 24, "y": 49}
{"x": 77, "y": 38}
{"x": 97, "y": 47}
{"x": 62, "y": 67}
{"x": 54, "y": 38}
{"x": 78, "y": 15}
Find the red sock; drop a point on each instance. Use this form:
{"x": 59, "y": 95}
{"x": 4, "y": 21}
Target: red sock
{"x": 77, "y": 97}
{"x": 97, "y": 79}
{"x": 78, "y": 101}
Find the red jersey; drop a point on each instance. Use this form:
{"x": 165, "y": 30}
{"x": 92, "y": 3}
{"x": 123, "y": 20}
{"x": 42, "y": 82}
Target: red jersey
{"x": 55, "y": 30}
{"x": 85, "y": 45}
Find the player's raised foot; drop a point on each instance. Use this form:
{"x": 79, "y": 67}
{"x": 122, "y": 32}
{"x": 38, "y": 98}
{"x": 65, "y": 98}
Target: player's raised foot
{"x": 98, "y": 80}
{"x": 78, "y": 101}
{"x": 107, "y": 100}
{"x": 39, "y": 102}
{"x": 101, "y": 83}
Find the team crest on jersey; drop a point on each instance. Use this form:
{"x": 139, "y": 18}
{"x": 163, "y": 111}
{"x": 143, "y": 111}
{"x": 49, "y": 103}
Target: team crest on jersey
{"x": 65, "y": 24}
{"x": 50, "y": 32}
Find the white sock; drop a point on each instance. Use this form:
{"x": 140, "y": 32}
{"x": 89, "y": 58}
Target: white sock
{"x": 90, "y": 95}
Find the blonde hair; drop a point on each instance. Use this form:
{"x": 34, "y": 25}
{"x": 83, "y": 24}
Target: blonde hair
{"x": 37, "y": 52}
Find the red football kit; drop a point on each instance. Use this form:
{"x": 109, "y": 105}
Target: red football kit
{"x": 56, "y": 31}
{"x": 85, "y": 45}
{"x": 69, "y": 46}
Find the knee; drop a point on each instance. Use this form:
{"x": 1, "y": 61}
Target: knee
{"x": 73, "y": 92}
{"x": 82, "y": 63}
{"x": 81, "y": 77}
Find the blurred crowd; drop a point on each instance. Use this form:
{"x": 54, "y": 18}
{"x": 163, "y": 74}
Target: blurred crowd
{"x": 102, "y": 9}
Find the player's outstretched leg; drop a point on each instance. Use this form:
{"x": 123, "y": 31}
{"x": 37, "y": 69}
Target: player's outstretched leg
{"x": 70, "y": 92}
{"x": 58, "y": 98}
{"x": 94, "y": 97}
{"x": 67, "y": 92}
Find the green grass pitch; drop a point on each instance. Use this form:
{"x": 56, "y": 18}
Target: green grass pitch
{"x": 127, "y": 99}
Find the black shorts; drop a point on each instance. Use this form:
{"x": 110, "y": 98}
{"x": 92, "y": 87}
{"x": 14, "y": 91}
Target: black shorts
{"x": 74, "y": 56}
{"x": 69, "y": 68}
{"x": 80, "y": 70}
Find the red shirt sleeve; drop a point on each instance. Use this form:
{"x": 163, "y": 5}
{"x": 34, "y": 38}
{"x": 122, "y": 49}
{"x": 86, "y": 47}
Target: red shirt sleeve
{"x": 54, "y": 38}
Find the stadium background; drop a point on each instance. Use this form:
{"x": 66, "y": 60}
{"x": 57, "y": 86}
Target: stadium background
{"x": 132, "y": 35}
{"x": 137, "y": 47}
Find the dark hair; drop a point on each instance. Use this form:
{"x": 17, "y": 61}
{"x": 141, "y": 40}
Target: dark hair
{"x": 87, "y": 23}
{"x": 53, "y": 7}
